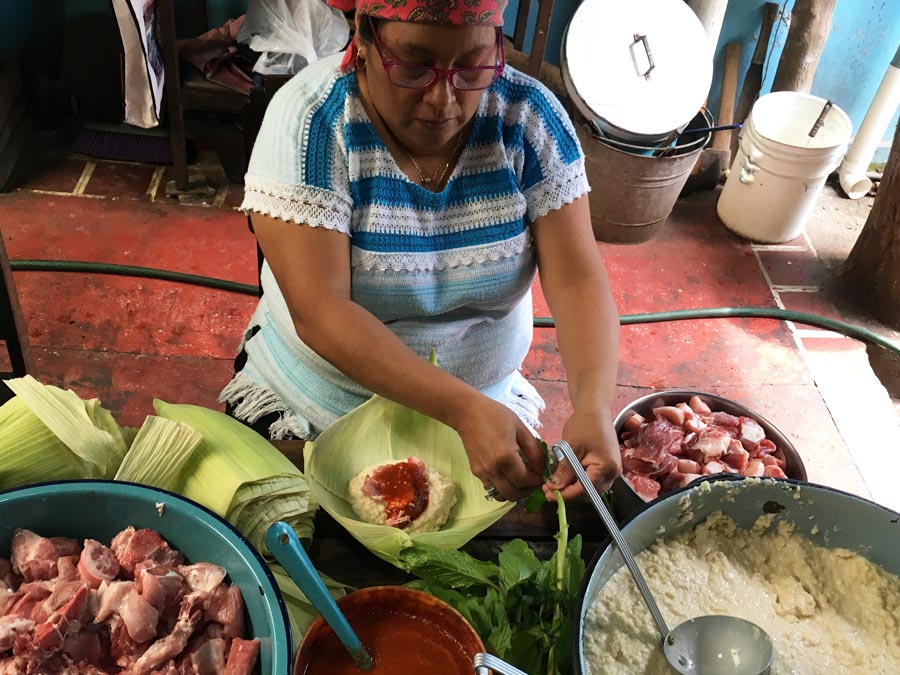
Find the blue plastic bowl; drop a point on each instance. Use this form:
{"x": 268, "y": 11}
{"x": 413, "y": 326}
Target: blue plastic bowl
{"x": 98, "y": 509}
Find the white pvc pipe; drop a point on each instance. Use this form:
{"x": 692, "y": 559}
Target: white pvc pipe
{"x": 711, "y": 14}
{"x": 853, "y": 169}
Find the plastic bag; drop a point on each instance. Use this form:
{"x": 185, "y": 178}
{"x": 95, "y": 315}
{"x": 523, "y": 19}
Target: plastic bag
{"x": 291, "y": 34}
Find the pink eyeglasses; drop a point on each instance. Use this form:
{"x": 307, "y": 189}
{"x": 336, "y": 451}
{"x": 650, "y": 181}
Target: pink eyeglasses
{"x": 417, "y": 76}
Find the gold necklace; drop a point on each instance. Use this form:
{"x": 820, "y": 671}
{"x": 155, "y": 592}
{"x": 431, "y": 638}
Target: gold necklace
{"x": 434, "y": 181}
{"x": 426, "y": 180}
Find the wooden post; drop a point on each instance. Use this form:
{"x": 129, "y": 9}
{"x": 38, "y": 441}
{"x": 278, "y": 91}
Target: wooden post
{"x": 722, "y": 139}
{"x": 172, "y": 88}
{"x": 872, "y": 270}
{"x": 810, "y": 26}
{"x": 753, "y": 78}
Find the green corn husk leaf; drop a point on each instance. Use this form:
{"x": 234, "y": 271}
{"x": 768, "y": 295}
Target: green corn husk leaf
{"x": 240, "y": 475}
{"x": 103, "y": 419}
{"x": 380, "y": 431}
{"x": 31, "y": 453}
{"x": 158, "y": 453}
{"x": 47, "y": 433}
{"x": 128, "y": 435}
{"x": 300, "y": 610}
{"x": 259, "y": 504}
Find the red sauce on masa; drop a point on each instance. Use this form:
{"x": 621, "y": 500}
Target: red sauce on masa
{"x": 399, "y": 643}
{"x": 404, "y": 488}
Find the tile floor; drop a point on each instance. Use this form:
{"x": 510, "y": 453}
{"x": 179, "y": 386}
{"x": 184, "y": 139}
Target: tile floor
{"x": 128, "y": 339}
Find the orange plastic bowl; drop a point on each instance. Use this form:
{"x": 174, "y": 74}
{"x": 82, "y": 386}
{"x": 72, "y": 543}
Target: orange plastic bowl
{"x": 405, "y": 631}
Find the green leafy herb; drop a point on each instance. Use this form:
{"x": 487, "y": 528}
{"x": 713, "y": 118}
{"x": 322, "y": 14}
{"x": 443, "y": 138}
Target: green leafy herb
{"x": 520, "y": 606}
{"x": 449, "y": 568}
{"x": 536, "y": 499}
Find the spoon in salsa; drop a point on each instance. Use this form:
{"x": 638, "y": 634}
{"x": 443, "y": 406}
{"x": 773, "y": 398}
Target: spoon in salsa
{"x": 289, "y": 552}
{"x": 706, "y": 645}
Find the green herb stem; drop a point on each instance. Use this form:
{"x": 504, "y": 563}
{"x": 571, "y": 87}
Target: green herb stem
{"x": 562, "y": 540}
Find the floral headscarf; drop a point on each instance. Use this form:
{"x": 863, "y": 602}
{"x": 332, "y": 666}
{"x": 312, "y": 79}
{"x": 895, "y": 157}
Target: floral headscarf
{"x": 453, "y": 12}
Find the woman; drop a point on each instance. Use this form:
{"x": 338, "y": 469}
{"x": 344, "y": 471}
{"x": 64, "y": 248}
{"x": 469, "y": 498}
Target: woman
{"x": 403, "y": 198}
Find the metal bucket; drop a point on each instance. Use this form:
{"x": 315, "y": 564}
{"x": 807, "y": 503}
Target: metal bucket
{"x": 637, "y": 69}
{"x": 690, "y": 138}
{"x": 632, "y": 195}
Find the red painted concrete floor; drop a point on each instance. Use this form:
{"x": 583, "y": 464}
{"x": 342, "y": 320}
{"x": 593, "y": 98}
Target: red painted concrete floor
{"x": 128, "y": 340}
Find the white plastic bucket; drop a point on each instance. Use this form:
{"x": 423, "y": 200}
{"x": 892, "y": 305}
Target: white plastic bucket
{"x": 779, "y": 170}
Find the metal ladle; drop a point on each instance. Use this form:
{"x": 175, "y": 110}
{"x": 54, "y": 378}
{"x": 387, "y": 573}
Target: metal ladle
{"x": 706, "y": 645}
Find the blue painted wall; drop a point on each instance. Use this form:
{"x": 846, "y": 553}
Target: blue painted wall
{"x": 865, "y": 35}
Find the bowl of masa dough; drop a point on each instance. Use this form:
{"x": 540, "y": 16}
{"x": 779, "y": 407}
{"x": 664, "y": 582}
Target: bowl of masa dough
{"x": 815, "y": 567}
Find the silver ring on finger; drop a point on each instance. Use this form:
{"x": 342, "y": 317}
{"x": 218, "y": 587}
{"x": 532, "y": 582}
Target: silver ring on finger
{"x": 493, "y": 495}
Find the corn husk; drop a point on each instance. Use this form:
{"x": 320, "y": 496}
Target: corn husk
{"x": 300, "y": 610}
{"x": 103, "y": 419}
{"x": 240, "y": 475}
{"x": 48, "y": 433}
{"x": 378, "y": 431}
{"x": 158, "y": 453}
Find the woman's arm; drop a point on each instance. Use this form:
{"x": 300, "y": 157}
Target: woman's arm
{"x": 312, "y": 267}
{"x": 577, "y": 290}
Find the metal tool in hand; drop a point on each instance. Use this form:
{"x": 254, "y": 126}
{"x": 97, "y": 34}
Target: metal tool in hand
{"x": 720, "y": 645}
{"x": 289, "y": 552}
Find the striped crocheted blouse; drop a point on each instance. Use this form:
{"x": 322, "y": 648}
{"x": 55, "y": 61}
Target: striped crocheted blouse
{"x": 450, "y": 270}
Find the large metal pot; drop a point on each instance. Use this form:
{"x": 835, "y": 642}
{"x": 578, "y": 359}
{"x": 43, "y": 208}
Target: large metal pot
{"x": 828, "y": 517}
{"x": 639, "y": 70}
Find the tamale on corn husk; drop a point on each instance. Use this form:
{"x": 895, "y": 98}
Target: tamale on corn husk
{"x": 379, "y": 431}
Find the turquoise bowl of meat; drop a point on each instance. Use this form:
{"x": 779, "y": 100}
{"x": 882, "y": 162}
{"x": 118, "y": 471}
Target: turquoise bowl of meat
{"x": 106, "y": 577}
{"x": 669, "y": 439}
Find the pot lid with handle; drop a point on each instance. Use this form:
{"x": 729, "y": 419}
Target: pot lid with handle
{"x": 644, "y": 66}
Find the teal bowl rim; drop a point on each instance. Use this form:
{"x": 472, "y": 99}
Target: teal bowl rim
{"x": 71, "y": 485}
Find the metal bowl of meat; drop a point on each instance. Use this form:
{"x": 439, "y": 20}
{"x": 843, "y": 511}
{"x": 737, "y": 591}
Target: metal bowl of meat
{"x": 671, "y": 438}
{"x": 103, "y": 576}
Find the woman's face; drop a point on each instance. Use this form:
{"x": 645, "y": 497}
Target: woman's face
{"x": 426, "y": 120}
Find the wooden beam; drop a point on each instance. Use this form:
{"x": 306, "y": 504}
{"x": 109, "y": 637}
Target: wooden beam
{"x": 810, "y": 26}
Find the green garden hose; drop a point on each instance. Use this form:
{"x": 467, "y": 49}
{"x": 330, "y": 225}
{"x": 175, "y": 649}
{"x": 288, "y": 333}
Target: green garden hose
{"x": 129, "y": 271}
{"x": 850, "y": 330}
{"x": 842, "y": 327}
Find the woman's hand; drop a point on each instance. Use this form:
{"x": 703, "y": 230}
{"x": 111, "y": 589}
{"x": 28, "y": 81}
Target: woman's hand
{"x": 593, "y": 438}
{"x": 496, "y": 442}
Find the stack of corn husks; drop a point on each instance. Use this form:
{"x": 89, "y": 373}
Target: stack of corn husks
{"x": 49, "y": 434}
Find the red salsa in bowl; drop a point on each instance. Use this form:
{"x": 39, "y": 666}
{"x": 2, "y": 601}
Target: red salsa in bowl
{"x": 404, "y": 630}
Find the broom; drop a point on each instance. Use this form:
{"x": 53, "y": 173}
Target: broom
{"x": 123, "y": 142}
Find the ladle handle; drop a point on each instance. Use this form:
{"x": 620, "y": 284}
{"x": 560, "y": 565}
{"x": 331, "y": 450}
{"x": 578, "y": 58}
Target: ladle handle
{"x": 289, "y": 552}
{"x": 562, "y": 450}
{"x": 485, "y": 663}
